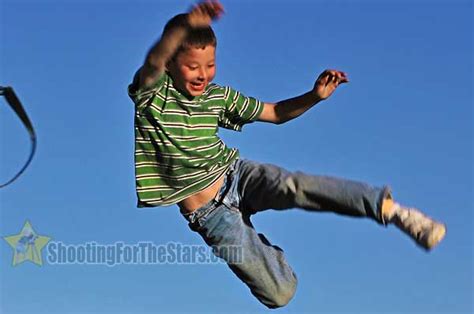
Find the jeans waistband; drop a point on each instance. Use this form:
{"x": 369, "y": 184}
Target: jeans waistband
{"x": 213, "y": 203}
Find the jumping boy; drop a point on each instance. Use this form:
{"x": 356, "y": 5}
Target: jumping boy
{"x": 180, "y": 159}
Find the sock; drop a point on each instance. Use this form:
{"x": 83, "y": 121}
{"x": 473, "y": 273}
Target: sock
{"x": 391, "y": 210}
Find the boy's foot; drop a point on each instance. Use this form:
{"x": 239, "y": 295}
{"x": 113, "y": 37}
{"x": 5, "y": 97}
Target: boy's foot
{"x": 425, "y": 231}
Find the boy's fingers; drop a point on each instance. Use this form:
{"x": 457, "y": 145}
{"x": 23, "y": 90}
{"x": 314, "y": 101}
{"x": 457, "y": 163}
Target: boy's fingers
{"x": 343, "y": 77}
{"x": 219, "y": 10}
{"x": 212, "y": 8}
{"x": 323, "y": 79}
{"x": 332, "y": 77}
{"x": 198, "y": 10}
{"x": 202, "y": 7}
{"x": 217, "y": 7}
{"x": 340, "y": 77}
{"x": 207, "y": 10}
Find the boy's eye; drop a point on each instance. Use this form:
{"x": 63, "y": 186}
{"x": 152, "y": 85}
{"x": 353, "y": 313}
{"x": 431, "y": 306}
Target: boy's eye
{"x": 210, "y": 65}
{"x": 192, "y": 67}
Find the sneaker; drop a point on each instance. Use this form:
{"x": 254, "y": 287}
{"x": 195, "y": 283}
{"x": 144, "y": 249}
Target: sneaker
{"x": 426, "y": 232}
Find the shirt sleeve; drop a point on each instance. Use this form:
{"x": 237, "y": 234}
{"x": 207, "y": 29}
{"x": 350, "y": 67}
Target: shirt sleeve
{"x": 239, "y": 110}
{"x": 142, "y": 96}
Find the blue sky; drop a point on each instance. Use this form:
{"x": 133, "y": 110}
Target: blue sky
{"x": 405, "y": 119}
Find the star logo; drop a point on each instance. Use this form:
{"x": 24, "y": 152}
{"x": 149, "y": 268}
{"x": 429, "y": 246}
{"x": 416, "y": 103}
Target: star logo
{"x": 27, "y": 245}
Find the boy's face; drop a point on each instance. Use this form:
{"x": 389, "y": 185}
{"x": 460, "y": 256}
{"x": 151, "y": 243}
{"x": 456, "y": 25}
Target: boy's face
{"x": 193, "y": 69}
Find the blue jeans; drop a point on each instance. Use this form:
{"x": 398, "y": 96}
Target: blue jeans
{"x": 250, "y": 187}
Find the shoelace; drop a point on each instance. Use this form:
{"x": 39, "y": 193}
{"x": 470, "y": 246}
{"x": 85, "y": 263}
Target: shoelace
{"x": 413, "y": 221}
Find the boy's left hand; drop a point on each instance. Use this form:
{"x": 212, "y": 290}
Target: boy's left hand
{"x": 327, "y": 83}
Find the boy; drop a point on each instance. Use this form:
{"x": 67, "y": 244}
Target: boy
{"x": 180, "y": 159}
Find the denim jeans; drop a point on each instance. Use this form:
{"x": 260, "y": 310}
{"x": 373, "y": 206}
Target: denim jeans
{"x": 250, "y": 187}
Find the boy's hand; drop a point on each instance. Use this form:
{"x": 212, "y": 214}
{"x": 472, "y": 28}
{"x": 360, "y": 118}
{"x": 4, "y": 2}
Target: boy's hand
{"x": 204, "y": 13}
{"x": 327, "y": 83}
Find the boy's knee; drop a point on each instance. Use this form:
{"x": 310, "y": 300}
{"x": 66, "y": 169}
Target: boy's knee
{"x": 283, "y": 295}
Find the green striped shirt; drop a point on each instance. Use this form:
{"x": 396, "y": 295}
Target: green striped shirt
{"x": 177, "y": 150}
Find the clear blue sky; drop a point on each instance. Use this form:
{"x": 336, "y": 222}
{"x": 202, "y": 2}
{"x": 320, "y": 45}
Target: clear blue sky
{"x": 404, "y": 119}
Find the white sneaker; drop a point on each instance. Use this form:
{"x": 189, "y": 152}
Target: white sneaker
{"x": 426, "y": 232}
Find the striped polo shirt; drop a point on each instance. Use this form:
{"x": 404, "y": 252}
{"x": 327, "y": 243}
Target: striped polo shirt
{"x": 177, "y": 150}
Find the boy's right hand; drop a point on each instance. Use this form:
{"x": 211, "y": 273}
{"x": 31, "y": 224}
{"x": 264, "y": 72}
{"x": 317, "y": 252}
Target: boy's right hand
{"x": 204, "y": 13}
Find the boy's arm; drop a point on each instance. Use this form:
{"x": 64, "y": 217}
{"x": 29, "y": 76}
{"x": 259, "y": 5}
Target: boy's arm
{"x": 289, "y": 109}
{"x": 162, "y": 51}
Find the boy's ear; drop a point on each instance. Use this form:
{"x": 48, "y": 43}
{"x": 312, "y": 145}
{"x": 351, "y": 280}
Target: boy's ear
{"x": 167, "y": 66}
{"x": 171, "y": 62}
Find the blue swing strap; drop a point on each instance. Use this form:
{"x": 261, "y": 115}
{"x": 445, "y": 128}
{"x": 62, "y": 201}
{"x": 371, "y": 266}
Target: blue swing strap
{"x": 15, "y": 104}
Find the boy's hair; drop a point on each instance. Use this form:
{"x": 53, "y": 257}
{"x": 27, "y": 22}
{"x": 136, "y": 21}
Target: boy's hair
{"x": 195, "y": 38}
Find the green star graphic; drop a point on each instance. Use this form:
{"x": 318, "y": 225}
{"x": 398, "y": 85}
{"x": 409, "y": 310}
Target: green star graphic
{"x": 27, "y": 245}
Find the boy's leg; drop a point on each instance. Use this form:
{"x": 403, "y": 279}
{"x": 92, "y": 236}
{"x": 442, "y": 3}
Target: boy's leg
{"x": 264, "y": 186}
{"x": 260, "y": 265}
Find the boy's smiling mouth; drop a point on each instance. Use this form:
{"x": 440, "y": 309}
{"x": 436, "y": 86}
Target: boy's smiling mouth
{"x": 198, "y": 86}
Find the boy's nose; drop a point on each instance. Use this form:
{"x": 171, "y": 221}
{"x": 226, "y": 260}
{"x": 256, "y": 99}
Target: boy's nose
{"x": 202, "y": 74}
